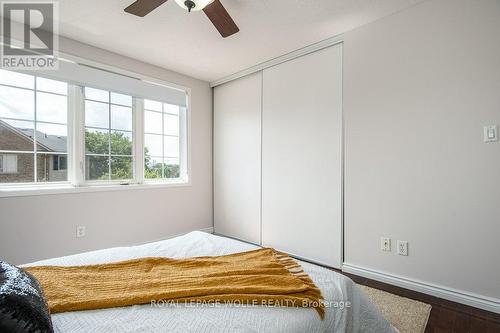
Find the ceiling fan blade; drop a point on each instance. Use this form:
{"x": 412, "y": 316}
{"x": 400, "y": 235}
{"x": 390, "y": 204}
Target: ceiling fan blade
{"x": 144, "y": 7}
{"x": 221, "y": 19}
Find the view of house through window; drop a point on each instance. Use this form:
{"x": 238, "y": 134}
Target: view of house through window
{"x": 161, "y": 140}
{"x": 33, "y": 128}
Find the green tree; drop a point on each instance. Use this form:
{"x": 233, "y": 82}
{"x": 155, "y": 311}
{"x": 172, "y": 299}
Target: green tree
{"x": 97, "y": 142}
{"x": 153, "y": 170}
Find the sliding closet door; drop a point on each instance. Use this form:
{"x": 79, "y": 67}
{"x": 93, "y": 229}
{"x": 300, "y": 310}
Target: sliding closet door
{"x": 302, "y": 157}
{"x": 237, "y": 158}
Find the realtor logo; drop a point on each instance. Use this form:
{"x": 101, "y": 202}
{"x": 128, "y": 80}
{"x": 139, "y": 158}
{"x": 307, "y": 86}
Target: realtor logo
{"x": 30, "y": 35}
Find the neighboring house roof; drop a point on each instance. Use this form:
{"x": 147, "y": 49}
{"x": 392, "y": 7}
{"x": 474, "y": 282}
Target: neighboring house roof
{"x": 52, "y": 143}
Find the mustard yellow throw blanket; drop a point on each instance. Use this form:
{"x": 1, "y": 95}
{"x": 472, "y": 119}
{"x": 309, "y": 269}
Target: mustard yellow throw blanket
{"x": 260, "y": 277}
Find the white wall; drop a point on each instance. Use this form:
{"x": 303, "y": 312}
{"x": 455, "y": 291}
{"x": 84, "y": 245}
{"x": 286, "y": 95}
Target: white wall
{"x": 418, "y": 88}
{"x": 38, "y": 227}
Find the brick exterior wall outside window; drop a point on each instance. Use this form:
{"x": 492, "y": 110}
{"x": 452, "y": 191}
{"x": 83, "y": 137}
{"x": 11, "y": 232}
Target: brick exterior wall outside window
{"x": 10, "y": 140}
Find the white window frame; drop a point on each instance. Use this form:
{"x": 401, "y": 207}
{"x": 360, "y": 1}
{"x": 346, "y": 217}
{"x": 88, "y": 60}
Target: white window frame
{"x": 76, "y": 146}
{"x": 134, "y": 179}
{"x": 78, "y": 121}
{"x": 35, "y": 183}
{"x": 183, "y": 174}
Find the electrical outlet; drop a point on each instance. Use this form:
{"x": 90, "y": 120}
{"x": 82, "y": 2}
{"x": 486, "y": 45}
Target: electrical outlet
{"x": 491, "y": 133}
{"x": 80, "y": 231}
{"x": 402, "y": 248}
{"x": 385, "y": 244}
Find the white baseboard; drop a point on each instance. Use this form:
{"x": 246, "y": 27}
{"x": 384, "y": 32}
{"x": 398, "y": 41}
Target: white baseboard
{"x": 207, "y": 230}
{"x": 467, "y": 298}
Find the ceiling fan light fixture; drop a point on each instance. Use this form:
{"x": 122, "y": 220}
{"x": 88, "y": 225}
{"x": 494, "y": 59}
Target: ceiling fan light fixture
{"x": 189, "y": 4}
{"x": 193, "y": 5}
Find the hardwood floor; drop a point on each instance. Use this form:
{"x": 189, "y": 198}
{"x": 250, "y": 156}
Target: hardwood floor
{"x": 446, "y": 316}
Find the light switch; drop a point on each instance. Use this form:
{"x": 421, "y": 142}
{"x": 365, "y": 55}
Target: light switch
{"x": 491, "y": 133}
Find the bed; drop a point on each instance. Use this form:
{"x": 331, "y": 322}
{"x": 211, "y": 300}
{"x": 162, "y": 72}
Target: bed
{"x": 348, "y": 309}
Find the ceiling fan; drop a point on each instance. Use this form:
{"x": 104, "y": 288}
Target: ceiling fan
{"x": 213, "y": 9}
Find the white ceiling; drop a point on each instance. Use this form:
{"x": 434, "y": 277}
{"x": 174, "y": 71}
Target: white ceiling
{"x": 188, "y": 43}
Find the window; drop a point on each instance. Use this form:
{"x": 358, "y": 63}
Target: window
{"x": 33, "y": 125}
{"x": 60, "y": 163}
{"x": 52, "y": 131}
{"x": 161, "y": 140}
{"x": 108, "y": 135}
{"x": 8, "y": 163}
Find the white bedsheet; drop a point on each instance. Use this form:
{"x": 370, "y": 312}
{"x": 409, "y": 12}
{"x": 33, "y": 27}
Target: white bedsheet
{"x": 361, "y": 316}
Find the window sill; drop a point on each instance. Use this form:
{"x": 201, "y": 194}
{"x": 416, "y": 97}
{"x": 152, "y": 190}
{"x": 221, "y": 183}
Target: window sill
{"x": 22, "y": 191}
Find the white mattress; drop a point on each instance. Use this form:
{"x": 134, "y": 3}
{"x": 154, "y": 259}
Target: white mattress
{"x": 361, "y": 316}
